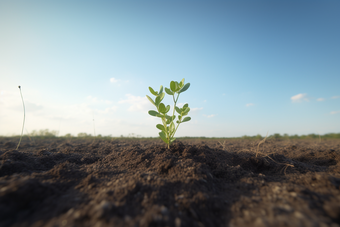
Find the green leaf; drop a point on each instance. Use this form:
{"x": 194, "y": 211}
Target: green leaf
{"x": 150, "y": 99}
{"x": 172, "y": 140}
{"x": 153, "y": 113}
{"x": 181, "y": 83}
{"x": 186, "y": 119}
{"x": 162, "y": 108}
{"x": 157, "y": 100}
{"x": 152, "y": 91}
{"x": 178, "y": 110}
{"x": 161, "y": 95}
{"x": 167, "y": 108}
{"x": 168, "y": 91}
{"x": 173, "y": 86}
{"x": 161, "y": 127}
{"x": 160, "y": 89}
{"x": 163, "y": 137}
{"x": 179, "y": 117}
{"x": 184, "y": 88}
{"x": 171, "y": 118}
{"x": 168, "y": 121}
{"x": 177, "y": 86}
{"x": 186, "y": 110}
{"x": 160, "y": 115}
{"x": 172, "y": 127}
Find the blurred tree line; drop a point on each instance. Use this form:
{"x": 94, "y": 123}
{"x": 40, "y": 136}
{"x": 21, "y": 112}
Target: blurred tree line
{"x": 278, "y": 136}
{"x": 45, "y": 133}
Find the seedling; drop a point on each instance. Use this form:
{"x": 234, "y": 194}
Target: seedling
{"x": 168, "y": 127}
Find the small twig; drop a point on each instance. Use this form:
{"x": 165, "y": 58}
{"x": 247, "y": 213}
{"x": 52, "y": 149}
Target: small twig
{"x": 286, "y": 165}
{"x": 284, "y": 169}
{"x": 23, "y": 123}
{"x": 223, "y": 145}
{"x": 258, "y": 146}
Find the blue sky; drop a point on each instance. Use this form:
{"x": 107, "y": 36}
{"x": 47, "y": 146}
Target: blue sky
{"x": 254, "y": 66}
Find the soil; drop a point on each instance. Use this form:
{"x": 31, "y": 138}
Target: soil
{"x": 139, "y": 182}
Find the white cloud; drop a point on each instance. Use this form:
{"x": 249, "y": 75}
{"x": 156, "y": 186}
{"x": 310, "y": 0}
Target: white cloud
{"x": 30, "y": 106}
{"x": 108, "y": 110}
{"x": 98, "y": 101}
{"x": 113, "y": 80}
{"x": 335, "y": 112}
{"x": 12, "y": 101}
{"x": 320, "y": 99}
{"x": 299, "y": 98}
{"x": 335, "y": 97}
{"x": 209, "y": 116}
{"x": 137, "y": 103}
{"x": 196, "y": 109}
{"x": 249, "y": 104}
{"x": 180, "y": 104}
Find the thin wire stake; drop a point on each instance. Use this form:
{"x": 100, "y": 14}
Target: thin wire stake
{"x": 23, "y": 123}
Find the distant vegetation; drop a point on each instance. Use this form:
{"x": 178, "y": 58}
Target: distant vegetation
{"x": 43, "y": 133}
{"x": 286, "y": 136}
{"x": 275, "y": 136}
{"x": 46, "y": 134}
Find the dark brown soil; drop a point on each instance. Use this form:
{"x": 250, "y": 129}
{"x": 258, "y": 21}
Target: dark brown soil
{"x": 195, "y": 183}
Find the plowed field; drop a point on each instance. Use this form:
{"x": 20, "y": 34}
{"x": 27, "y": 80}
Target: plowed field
{"x": 139, "y": 182}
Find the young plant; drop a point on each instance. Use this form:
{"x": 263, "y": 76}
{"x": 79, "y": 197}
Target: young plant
{"x": 168, "y": 127}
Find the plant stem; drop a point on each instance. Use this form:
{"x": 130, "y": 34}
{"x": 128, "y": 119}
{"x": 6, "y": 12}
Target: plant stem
{"x": 22, "y": 130}
{"x": 173, "y": 97}
{"x": 173, "y": 113}
{"x": 177, "y": 127}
